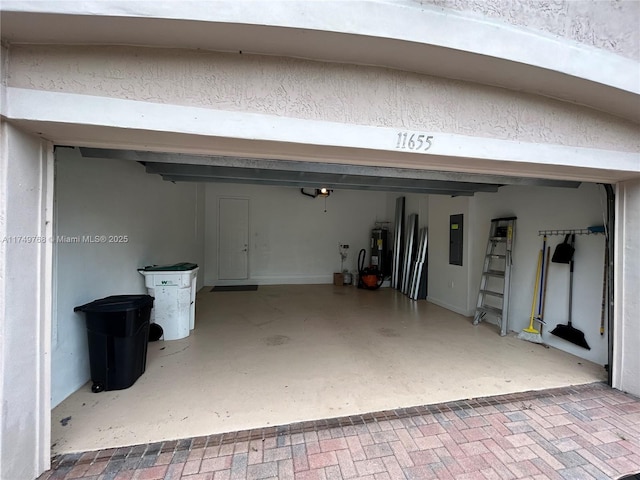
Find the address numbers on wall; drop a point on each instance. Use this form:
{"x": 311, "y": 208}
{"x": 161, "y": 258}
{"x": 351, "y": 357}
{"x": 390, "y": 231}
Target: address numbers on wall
{"x": 418, "y": 142}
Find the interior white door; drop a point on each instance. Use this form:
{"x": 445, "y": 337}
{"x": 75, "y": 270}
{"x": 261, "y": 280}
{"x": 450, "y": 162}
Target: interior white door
{"x": 233, "y": 239}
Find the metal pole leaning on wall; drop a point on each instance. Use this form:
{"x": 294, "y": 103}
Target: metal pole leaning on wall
{"x": 610, "y": 232}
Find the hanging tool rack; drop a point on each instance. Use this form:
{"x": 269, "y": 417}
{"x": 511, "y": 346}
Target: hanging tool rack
{"x": 579, "y": 231}
{"x": 568, "y": 332}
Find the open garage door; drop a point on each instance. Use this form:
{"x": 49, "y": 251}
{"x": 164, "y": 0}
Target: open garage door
{"x": 299, "y": 83}
{"x": 336, "y": 336}
{"x": 175, "y": 167}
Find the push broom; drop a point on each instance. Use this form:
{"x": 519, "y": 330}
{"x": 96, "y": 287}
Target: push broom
{"x": 530, "y": 334}
{"x": 568, "y": 332}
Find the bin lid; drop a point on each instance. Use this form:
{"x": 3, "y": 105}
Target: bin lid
{"x": 177, "y": 267}
{"x": 116, "y": 303}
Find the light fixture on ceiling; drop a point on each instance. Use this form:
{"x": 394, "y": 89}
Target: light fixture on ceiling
{"x": 323, "y": 192}
{"x": 318, "y": 192}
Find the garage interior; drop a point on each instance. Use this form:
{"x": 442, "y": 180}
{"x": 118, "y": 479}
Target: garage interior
{"x": 316, "y": 87}
{"x": 299, "y": 347}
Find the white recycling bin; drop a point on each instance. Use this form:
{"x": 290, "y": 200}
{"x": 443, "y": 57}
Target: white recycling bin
{"x": 174, "y": 290}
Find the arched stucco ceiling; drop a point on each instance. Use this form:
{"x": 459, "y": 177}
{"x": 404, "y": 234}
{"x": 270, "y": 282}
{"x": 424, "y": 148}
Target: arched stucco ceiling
{"x": 398, "y": 35}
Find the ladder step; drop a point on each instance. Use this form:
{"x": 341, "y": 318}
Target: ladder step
{"x": 494, "y": 273}
{"x": 495, "y": 294}
{"x": 490, "y": 309}
{"x": 497, "y": 265}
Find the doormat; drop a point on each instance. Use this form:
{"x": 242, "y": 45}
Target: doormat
{"x": 234, "y": 288}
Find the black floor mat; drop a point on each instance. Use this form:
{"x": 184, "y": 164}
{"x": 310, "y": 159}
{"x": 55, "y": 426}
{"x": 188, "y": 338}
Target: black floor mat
{"x": 234, "y": 288}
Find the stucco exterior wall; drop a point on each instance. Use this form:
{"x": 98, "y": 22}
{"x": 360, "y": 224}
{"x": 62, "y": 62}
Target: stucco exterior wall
{"x": 26, "y": 198}
{"x": 611, "y": 25}
{"x": 317, "y": 91}
{"x": 192, "y": 86}
{"x": 626, "y": 373}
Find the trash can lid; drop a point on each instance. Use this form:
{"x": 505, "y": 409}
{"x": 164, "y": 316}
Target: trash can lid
{"x": 116, "y": 303}
{"x": 177, "y": 267}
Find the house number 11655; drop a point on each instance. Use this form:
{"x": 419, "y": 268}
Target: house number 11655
{"x": 414, "y": 141}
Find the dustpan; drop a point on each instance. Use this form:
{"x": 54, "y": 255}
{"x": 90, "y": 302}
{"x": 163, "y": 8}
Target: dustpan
{"x": 564, "y": 251}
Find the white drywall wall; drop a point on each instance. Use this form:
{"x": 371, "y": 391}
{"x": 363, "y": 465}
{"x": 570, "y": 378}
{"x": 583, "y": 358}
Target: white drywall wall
{"x": 292, "y": 238}
{"x": 537, "y": 208}
{"x": 413, "y": 203}
{"x": 418, "y": 204}
{"x": 112, "y": 198}
{"x": 448, "y": 284}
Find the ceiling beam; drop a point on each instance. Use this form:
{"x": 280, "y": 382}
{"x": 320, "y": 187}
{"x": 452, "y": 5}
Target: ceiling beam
{"x": 306, "y": 184}
{"x": 317, "y": 167}
{"x": 345, "y": 181}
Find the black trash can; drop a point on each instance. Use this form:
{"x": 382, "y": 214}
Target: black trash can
{"x": 118, "y": 333}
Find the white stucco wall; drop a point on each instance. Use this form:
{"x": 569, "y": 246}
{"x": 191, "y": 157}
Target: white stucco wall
{"x": 25, "y": 303}
{"x": 626, "y": 374}
{"x": 607, "y": 24}
{"x": 302, "y": 89}
{"x": 162, "y": 222}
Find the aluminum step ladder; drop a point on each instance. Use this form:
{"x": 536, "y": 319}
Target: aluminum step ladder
{"x": 493, "y": 296}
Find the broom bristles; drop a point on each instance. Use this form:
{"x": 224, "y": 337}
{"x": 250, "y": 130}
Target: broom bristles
{"x": 530, "y": 337}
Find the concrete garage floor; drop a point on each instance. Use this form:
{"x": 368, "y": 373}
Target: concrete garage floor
{"x": 285, "y": 354}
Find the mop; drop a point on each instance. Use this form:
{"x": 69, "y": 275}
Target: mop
{"x": 530, "y": 334}
{"x": 543, "y": 295}
{"x": 543, "y": 280}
